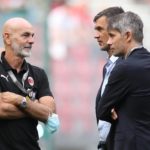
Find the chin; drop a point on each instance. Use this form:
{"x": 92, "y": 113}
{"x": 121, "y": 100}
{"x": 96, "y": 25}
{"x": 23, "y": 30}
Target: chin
{"x": 25, "y": 54}
{"x": 103, "y": 49}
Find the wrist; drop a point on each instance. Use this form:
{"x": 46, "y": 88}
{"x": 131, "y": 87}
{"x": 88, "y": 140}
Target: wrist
{"x": 24, "y": 101}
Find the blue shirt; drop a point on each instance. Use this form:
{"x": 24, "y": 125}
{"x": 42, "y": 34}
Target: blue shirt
{"x": 109, "y": 67}
{"x": 103, "y": 126}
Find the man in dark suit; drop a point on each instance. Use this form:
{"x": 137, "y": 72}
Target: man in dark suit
{"x": 128, "y": 88}
{"x": 101, "y": 35}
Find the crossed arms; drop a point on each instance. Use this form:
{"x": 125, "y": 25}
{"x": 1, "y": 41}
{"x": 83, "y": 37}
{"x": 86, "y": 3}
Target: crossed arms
{"x": 38, "y": 109}
{"x": 115, "y": 91}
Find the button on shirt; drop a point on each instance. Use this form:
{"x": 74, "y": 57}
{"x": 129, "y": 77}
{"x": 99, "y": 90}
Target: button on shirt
{"x": 103, "y": 126}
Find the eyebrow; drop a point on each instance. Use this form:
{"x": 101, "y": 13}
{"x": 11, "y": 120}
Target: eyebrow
{"x": 98, "y": 28}
{"x": 27, "y": 33}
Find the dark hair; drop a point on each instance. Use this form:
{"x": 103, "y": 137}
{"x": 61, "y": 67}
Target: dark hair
{"x": 109, "y": 12}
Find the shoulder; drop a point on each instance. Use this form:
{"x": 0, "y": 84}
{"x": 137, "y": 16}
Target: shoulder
{"x": 121, "y": 65}
{"x": 139, "y": 53}
{"x": 36, "y": 70}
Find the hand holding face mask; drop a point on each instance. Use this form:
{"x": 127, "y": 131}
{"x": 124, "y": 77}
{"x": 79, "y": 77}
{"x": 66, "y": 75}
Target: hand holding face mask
{"x": 52, "y": 123}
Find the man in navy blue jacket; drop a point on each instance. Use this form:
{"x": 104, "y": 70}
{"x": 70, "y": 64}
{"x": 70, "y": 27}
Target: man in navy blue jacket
{"x": 128, "y": 88}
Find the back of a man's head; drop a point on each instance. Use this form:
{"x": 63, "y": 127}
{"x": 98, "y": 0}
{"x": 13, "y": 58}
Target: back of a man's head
{"x": 109, "y": 12}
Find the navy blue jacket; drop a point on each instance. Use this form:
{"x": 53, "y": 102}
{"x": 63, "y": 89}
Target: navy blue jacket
{"x": 128, "y": 91}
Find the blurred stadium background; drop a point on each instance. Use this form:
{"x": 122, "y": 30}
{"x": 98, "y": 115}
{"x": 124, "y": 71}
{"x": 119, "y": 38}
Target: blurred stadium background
{"x": 66, "y": 49}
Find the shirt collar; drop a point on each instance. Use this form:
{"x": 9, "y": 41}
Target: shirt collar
{"x": 113, "y": 58}
{"x": 8, "y": 67}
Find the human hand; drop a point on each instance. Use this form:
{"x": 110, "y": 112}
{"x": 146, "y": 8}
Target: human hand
{"x": 9, "y": 97}
{"x": 114, "y": 114}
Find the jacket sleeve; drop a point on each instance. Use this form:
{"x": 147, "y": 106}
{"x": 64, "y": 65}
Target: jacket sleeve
{"x": 115, "y": 92}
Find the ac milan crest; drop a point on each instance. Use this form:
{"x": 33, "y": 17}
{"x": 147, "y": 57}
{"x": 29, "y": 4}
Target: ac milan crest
{"x": 30, "y": 81}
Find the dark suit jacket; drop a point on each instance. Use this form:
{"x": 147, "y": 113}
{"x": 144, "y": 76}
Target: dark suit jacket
{"x": 109, "y": 142}
{"x": 128, "y": 91}
{"x": 98, "y": 97}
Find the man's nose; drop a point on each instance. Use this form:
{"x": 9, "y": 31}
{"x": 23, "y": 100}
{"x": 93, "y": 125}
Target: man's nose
{"x": 31, "y": 40}
{"x": 96, "y": 35}
{"x": 109, "y": 42}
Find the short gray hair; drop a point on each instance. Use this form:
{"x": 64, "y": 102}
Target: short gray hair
{"x": 127, "y": 21}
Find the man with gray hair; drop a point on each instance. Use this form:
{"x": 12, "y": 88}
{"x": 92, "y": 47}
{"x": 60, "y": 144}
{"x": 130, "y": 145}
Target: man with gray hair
{"x": 128, "y": 88}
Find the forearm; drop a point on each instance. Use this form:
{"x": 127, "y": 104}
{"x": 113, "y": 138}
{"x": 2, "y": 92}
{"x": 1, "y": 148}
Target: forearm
{"x": 104, "y": 114}
{"x": 40, "y": 109}
{"x": 37, "y": 111}
{"x": 9, "y": 111}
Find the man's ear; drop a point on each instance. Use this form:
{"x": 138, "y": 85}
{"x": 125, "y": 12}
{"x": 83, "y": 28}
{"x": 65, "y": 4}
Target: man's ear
{"x": 128, "y": 36}
{"x": 6, "y": 37}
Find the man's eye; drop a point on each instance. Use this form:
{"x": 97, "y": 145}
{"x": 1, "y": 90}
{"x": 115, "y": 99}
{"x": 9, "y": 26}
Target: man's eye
{"x": 99, "y": 29}
{"x": 111, "y": 35}
{"x": 25, "y": 35}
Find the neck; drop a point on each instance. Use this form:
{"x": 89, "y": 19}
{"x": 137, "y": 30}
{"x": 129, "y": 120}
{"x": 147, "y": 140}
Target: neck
{"x": 14, "y": 61}
{"x": 131, "y": 48}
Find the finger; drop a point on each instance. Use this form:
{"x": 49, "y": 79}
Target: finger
{"x": 114, "y": 114}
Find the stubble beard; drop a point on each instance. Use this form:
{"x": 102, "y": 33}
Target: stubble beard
{"x": 20, "y": 50}
{"x": 105, "y": 48}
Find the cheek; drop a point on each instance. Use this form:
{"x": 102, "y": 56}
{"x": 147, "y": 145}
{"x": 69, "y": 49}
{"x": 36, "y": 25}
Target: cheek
{"x": 117, "y": 42}
{"x": 114, "y": 43}
{"x": 121, "y": 43}
{"x": 105, "y": 36}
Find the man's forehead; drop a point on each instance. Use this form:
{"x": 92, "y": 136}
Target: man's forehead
{"x": 23, "y": 29}
{"x": 29, "y": 30}
{"x": 102, "y": 21}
